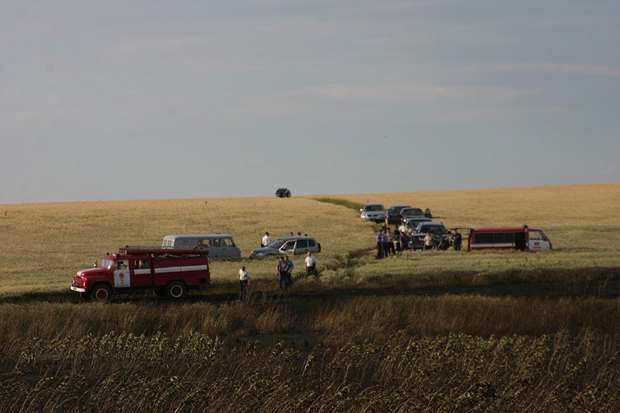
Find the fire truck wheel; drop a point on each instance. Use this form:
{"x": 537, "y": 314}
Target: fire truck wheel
{"x": 176, "y": 290}
{"x": 101, "y": 293}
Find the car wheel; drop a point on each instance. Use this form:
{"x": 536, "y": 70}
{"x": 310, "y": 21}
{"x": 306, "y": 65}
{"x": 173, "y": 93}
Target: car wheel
{"x": 176, "y": 290}
{"x": 101, "y": 293}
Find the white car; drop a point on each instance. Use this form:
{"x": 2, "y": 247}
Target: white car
{"x": 374, "y": 212}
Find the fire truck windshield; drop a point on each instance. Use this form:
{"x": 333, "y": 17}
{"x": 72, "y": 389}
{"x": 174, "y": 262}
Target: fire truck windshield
{"x": 107, "y": 264}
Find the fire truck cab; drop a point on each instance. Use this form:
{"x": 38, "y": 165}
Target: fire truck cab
{"x": 170, "y": 273}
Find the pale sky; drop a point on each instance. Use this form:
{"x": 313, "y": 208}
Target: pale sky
{"x": 153, "y": 99}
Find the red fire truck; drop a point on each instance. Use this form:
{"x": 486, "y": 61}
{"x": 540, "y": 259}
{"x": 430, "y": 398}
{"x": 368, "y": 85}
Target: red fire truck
{"x": 170, "y": 273}
{"x": 520, "y": 238}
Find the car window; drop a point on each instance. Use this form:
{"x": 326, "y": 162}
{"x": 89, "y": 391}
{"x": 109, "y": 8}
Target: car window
{"x": 484, "y": 238}
{"x": 311, "y": 243}
{"x": 227, "y": 242}
{"x": 535, "y": 235}
{"x": 205, "y": 242}
{"x": 184, "y": 243}
{"x": 289, "y": 245}
{"x": 217, "y": 242}
{"x": 141, "y": 264}
{"x": 504, "y": 237}
{"x": 301, "y": 244}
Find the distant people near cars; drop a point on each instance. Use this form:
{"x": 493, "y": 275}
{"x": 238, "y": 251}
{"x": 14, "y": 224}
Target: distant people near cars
{"x": 281, "y": 272}
{"x": 244, "y": 281}
{"x": 266, "y": 240}
{"x": 396, "y": 240}
{"x": 379, "y": 239}
{"x": 310, "y": 264}
{"x": 289, "y": 271}
{"x": 457, "y": 240}
{"x": 443, "y": 243}
{"x": 390, "y": 242}
{"x": 405, "y": 234}
{"x": 386, "y": 242}
{"x": 429, "y": 241}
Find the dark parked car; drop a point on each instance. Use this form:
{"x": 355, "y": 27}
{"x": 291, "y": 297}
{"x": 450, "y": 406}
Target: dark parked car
{"x": 283, "y": 193}
{"x": 436, "y": 228}
{"x": 407, "y": 213}
{"x": 394, "y": 217}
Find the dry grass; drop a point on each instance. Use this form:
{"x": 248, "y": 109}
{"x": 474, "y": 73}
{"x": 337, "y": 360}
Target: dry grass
{"x": 319, "y": 350}
{"x": 196, "y": 373}
{"x": 47, "y": 243}
{"x": 341, "y": 320}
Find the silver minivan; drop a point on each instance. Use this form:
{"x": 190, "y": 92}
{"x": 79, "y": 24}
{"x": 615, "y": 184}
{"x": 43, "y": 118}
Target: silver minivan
{"x": 219, "y": 245}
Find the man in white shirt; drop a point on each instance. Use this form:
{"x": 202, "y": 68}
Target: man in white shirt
{"x": 244, "y": 281}
{"x": 310, "y": 264}
{"x": 266, "y": 240}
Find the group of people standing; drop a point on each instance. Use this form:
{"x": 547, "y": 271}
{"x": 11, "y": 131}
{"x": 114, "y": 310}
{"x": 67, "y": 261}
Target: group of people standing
{"x": 394, "y": 242}
{"x": 284, "y": 269}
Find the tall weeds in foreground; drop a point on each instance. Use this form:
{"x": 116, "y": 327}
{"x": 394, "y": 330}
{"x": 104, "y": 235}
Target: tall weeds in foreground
{"x": 361, "y": 317}
{"x": 196, "y": 372}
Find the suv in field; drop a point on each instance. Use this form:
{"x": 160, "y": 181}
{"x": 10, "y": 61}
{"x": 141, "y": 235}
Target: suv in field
{"x": 374, "y": 212}
{"x": 393, "y": 214}
{"x": 287, "y": 245}
{"x": 283, "y": 193}
{"x": 411, "y": 212}
{"x": 435, "y": 228}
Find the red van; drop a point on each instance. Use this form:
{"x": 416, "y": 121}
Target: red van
{"x": 520, "y": 238}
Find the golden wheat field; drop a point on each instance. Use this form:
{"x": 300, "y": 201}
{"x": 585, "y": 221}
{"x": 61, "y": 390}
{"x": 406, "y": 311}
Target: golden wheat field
{"x": 435, "y": 331}
{"x": 48, "y": 243}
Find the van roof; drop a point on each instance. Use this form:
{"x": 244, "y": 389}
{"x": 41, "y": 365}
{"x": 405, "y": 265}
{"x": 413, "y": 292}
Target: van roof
{"x": 198, "y": 236}
{"x": 504, "y": 229}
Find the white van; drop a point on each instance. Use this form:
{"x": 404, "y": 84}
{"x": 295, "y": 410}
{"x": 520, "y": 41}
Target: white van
{"x": 218, "y": 245}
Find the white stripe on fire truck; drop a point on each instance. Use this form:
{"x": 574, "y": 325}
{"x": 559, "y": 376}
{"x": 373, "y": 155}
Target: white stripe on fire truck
{"x": 502, "y": 245}
{"x": 181, "y": 269}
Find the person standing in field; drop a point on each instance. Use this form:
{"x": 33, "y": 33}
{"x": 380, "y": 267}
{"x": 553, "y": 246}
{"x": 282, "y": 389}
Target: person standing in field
{"x": 379, "y": 244}
{"x": 396, "y": 239}
{"x": 386, "y": 242}
{"x": 266, "y": 240}
{"x": 289, "y": 271}
{"x": 403, "y": 229}
{"x": 244, "y": 282}
{"x": 457, "y": 240}
{"x": 429, "y": 242}
{"x": 310, "y": 264}
{"x": 281, "y": 272}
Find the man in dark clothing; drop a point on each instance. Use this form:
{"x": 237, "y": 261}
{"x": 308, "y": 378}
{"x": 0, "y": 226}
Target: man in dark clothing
{"x": 457, "y": 239}
{"x": 282, "y": 273}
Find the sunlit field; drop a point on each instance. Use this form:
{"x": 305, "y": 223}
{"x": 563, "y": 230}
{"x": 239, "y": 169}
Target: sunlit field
{"x": 440, "y": 331}
{"x": 48, "y": 243}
